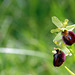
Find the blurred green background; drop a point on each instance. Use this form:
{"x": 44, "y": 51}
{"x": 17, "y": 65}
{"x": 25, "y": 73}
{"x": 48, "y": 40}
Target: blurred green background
{"x": 25, "y": 25}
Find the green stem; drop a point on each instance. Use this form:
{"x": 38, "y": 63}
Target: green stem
{"x": 69, "y": 71}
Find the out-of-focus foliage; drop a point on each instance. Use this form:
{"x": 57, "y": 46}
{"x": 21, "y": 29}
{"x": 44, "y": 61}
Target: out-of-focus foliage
{"x": 26, "y": 24}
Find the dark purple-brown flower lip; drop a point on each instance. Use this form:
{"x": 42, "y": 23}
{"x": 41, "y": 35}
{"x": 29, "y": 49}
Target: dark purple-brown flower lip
{"x": 59, "y": 58}
{"x": 69, "y": 38}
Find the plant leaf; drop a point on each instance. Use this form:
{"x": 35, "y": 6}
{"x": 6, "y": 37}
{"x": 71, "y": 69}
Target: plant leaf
{"x": 24, "y": 52}
{"x": 57, "y": 22}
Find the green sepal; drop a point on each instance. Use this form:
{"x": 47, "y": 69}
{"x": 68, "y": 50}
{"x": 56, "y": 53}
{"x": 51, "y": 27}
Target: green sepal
{"x": 66, "y": 51}
{"x": 57, "y": 22}
{"x": 70, "y": 28}
{"x": 58, "y": 37}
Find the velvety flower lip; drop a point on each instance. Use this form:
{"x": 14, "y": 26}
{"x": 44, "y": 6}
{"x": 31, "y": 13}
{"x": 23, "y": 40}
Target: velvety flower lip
{"x": 59, "y": 58}
{"x": 69, "y": 38}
